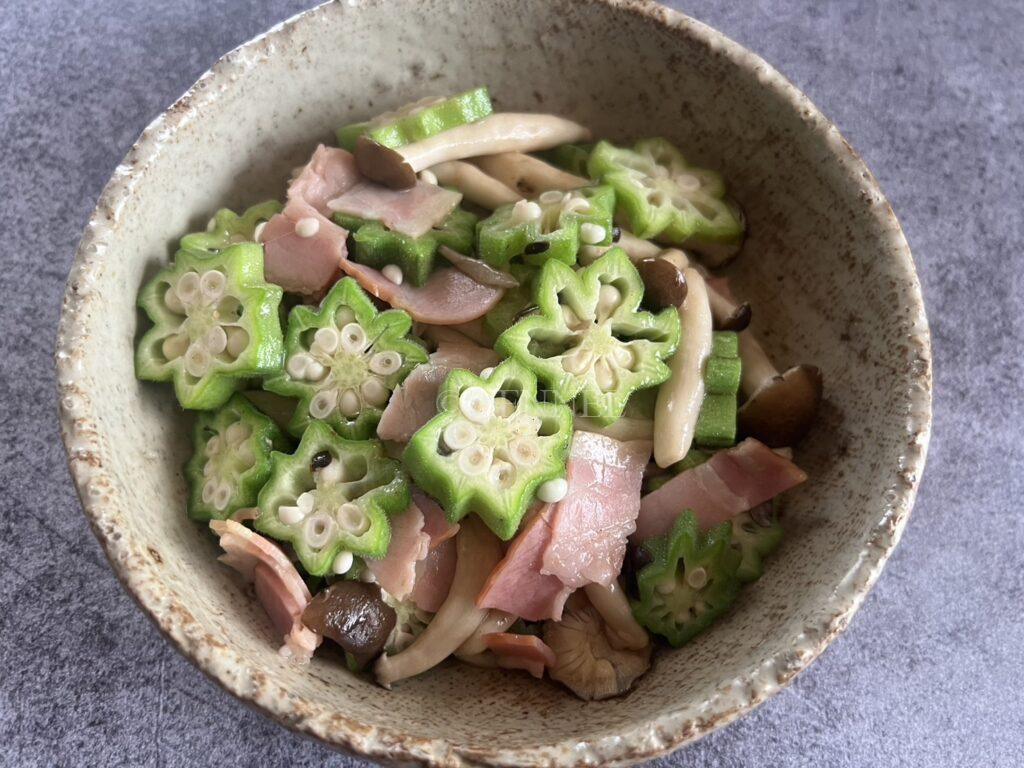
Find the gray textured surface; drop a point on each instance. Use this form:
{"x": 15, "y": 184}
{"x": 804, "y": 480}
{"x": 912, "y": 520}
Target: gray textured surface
{"x": 928, "y": 673}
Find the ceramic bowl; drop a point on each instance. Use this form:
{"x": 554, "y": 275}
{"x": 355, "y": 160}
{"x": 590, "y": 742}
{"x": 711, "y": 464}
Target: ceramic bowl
{"x": 826, "y": 268}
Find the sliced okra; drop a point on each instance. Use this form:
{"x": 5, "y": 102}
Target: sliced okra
{"x": 756, "y": 534}
{"x": 227, "y": 228}
{"x": 716, "y": 423}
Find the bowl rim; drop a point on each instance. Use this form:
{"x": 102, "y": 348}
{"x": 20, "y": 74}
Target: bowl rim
{"x": 668, "y": 731}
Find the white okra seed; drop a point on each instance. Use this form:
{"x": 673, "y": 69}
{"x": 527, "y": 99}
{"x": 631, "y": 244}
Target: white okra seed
{"x": 428, "y": 177}
{"x": 604, "y": 375}
{"x": 349, "y": 403}
{"x": 687, "y": 182}
{"x": 697, "y": 578}
{"x": 238, "y": 340}
{"x": 323, "y": 403}
{"x": 591, "y": 233}
{"x": 503, "y": 407}
{"x": 525, "y": 210}
{"x": 314, "y": 371}
{"x": 237, "y": 432}
{"x": 326, "y": 340}
{"x": 197, "y": 360}
{"x": 257, "y": 233}
{"x": 212, "y": 285}
{"x": 318, "y": 529}
{"x": 188, "y": 288}
{"x": 608, "y": 299}
{"x": 502, "y": 474}
{"x": 576, "y": 204}
{"x": 385, "y": 363}
{"x": 209, "y": 491}
{"x": 523, "y": 451}
{"x": 172, "y": 302}
{"x": 475, "y": 460}
{"x": 374, "y": 392}
{"x": 476, "y": 404}
{"x": 297, "y": 364}
{"x": 307, "y": 227}
{"x": 174, "y": 346}
{"x": 459, "y": 434}
{"x": 290, "y": 515}
{"x": 352, "y": 519}
{"x": 550, "y": 197}
{"x": 342, "y": 563}
{"x": 215, "y": 340}
{"x": 486, "y": 372}
{"x": 222, "y": 497}
{"x": 306, "y": 502}
{"x": 393, "y": 272}
{"x": 330, "y": 475}
{"x": 553, "y": 490}
{"x": 353, "y": 338}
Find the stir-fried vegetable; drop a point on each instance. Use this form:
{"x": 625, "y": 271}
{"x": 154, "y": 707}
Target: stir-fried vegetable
{"x": 227, "y": 228}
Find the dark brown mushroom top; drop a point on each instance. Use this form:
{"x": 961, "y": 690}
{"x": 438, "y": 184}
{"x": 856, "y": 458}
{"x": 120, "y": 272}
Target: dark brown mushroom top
{"x": 664, "y": 283}
{"x": 781, "y": 411}
{"x": 737, "y": 320}
{"x": 383, "y": 165}
{"x": 353, "y": 615}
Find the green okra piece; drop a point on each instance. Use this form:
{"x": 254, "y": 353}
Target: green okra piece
{"x": 716, "y": 423}
{"x": 590, "y": 342}
{"x": 551, "y": 227}
{"x": 376, "y": 246}
{"x": 662, "y": 196}
{"x": 570, "y": 157}
{"x": 227, "y": 228}
{"x": 343, "y": 361}
{"x": 690, "y": 581}
{"x": 756, "y": 534}
{"x": 230, "y": 459}
{"x": 332, "y": 496}
{"x": 490, "y": 446}
{"x": 419, "y": 120}
{"x": 516, "y": 301}
{"x": 215, "y": 323}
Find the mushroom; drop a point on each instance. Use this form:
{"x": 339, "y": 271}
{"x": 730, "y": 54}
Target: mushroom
{"x": 779, "y": 407}
{"x": 479, "y": 270}
{"x": 622, "y": 629}
{"x": 501, "y": 132}
{"x": 585, "y": 661}
{"x": 478, "y": 552}
{"x": 664, "y": 283}
{"x": 727, "y": 315}
{"x": 624, "y": 428}
{"x": 680, "y": 397}
{"x": 475, "y": 185}
{"x": 529, "y": 176}
{"x": 354, "y": 615}
{"x": 495, "y": 621}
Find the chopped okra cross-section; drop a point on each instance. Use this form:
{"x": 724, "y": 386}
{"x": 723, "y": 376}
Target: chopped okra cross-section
{"x": 590, "y": 340}
{"x": 553, "y": 226}
{"x": 230, "y": 460}
{"x": 227, "y": 228}
{"x": 344, "y": 359}
{"x": 490, "y": 447}
{"x": 663, "y": 196}
{"x": 332, "y": 499}
{"x": 691, "y": 580}
{"x": 215, "y": 322}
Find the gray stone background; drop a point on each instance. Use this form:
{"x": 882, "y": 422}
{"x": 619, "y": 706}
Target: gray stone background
{"x": 928, "y": 674}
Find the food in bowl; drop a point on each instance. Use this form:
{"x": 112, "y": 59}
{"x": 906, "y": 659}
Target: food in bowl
{"x": 471, "y": 391}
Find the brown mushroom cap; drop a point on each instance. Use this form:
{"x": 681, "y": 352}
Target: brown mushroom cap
{"x": 737, "y": 320}
{"x": 664, "y": 283}
{"x": 781, "y": 411}
{"x": 383, "y": 165}
{"x": 354, "y": 615}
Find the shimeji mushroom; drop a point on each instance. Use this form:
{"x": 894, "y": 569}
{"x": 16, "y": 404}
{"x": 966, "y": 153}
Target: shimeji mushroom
{"x": 475, "y": 185}
{"x": 354, "y": 615}
{"x": 529, "y": 176}
{"x": 623, "y": 630}
{"x": 780, "y": 407}
{"x": 503, "y": 132}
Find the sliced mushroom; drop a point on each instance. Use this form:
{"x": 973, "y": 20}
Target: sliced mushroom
{"x": 354, "y": 615}
{"x": 502, "y": 132}
{"x": 478, "y": 552}
{"x": 475, "y": 185}
{"x": 585, "y": 661}
{"x": 495, "y": 621}
{"x": 480, "y": 271}
{"x": 529, "y": 176}
{"x": 728, "y": 316}
{"x": 780, "y": 407}
{"x": 664, "y": 283}
{"x": 680, "y": 397}
{"x": 624, "y": 632}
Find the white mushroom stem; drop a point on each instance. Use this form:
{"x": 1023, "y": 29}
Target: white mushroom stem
{"x": 495, "y": 621}
{"x": 478, "y": 552}
{"x": 680, "y": 397}
{"x": 500, "y": 132}
{"x": 475, "y": 185}
{"x": 637, "y": 248}
{"x": 623, "y": 630}
{"x": 529, "y": 176}
{"x": 757, "y": 369}
{"x": 624, "y": 428}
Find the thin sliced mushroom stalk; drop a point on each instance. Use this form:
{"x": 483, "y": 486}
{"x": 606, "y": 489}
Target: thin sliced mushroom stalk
{"x": 622, "y": 629}
{"x": 475, "y": 185}
{"x": 480, "y": 271}
{"x": 529, "y": 176}
{"x": 478, "y": 553}
{"x": 495, "y": 621}
{"x": 501, "y": 132}
{"x": 680, "y": 397}
{"x": 780, "y": 408}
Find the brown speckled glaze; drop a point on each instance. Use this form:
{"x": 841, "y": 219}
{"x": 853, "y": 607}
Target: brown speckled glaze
{"x": 826, "y": 268}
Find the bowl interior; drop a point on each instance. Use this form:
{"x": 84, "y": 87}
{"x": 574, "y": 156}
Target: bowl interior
{"x": 825, "y": 267}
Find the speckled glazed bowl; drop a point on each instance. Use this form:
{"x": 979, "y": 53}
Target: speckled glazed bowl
{"x": 826, "y": 267}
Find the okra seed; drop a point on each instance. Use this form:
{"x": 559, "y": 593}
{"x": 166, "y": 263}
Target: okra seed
{"x": 687, "y": 182}
{"x": 623, "y": 357}
{"x": 238, "y": 340}
{"x": 475, "y": 459}
{"x": 553, "y": 491}
{"x": 209, "y": 490}
{"x": 576, "y": 205}
{"x": 486, "y": 372}
{"x": 296, "y": 366}
{"x": 658, "y": 198}
{"x": 207, "y": 469}
{"x": 502, "y": 474}
{"x": 503, "y": 407}
{"x": 318, "y": 529}
{"x": 393, "y": 272}
{"x": 592, "y": 234}
{"x": 570, "y": 317}
{"x": 342, "y": 563}
{"x": 325, "y": 340}
{"x": 213, "y": 445}
{"x": 375, "y": 392}
{"x": 524, "y": 211}
{"x": 526, "y": 424}
{"x": 577, "y": 362}
{"x": 215, "y": 340}
{"x": 352, "y": 519}
{"x": 536, "y": 247}
{"x": 197, "y": 361}
{"x": 258, "y": 232}
{"x": 323, "y": 403}
{"x": 348, "y": 403}
{"x": 330, "y": 475}
{"x": 174, "y": 346}
{"x": 172, "y": 302}
{"x": 604, "y": 375}
{"x": 307, "y": 227}
{"x": 188, "y": 288}
{"x": 222, "y": 496}
{"x": 314, "y": 371}
{"x": 476, "y": 404}
{"x": 428, "y": 177}
{"x": 523, "y": 452}
{"x": 212, "y": 285}
{"x": 459, "y": 434}
{"x": 245, "y": 455}
{"x": 697, "y": 578}
{"x": 549, "y": 197}
{"x": 290, "y": 515}
{"x": 666, "y": 587}
{"x": 353, "y": 338}
{"x": 385, "y": 363}
{"x": 591, "y": 253}
{"x": 320, "y": 460}
{"x": 608, "y": 300}
{"x": 237, "y": 432}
